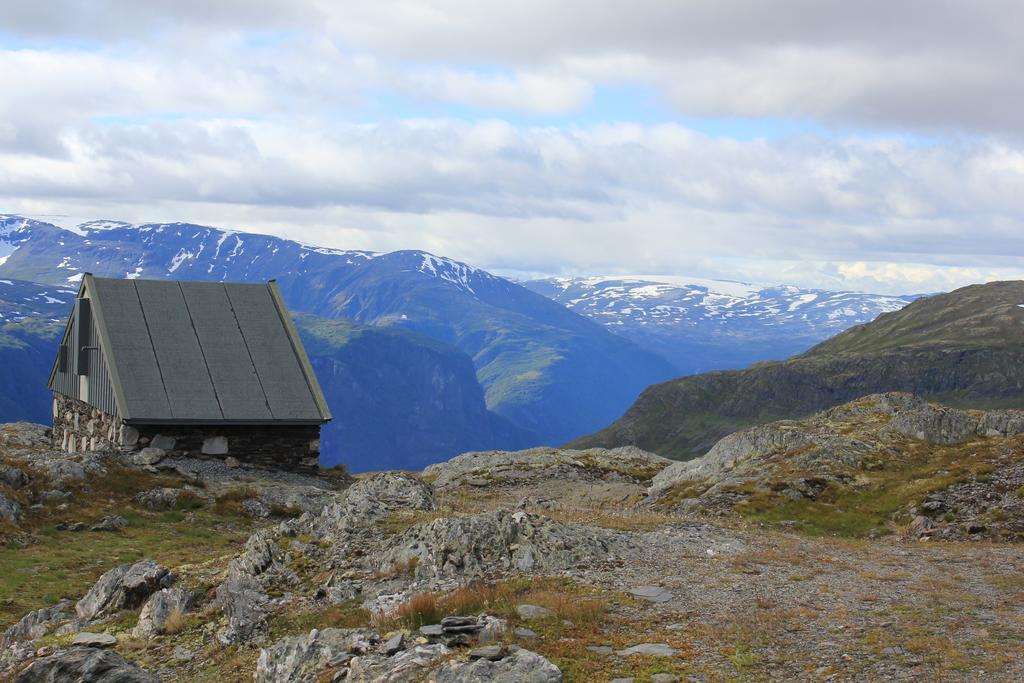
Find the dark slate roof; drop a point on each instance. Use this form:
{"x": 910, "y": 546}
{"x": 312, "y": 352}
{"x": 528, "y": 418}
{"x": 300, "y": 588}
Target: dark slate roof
{"x": 203, "y": 352}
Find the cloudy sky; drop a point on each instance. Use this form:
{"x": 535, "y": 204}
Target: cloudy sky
{"x": 868, "y": 145}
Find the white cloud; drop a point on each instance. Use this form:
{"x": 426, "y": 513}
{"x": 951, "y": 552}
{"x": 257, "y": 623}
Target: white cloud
{"x": 282, "y": 116}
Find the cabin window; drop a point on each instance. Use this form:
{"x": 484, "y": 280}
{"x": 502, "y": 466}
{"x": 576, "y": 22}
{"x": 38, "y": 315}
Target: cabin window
{"x": 62, "y": 358}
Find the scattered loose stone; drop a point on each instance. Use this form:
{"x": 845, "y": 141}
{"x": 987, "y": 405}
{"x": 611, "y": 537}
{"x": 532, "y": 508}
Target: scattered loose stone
{"x": 394, "y": 644}
{"x": 232, "y": 462}
{"x": 601, "y": 649}
{"x": 86, "y": 639}
{"x": 491, "y": 652}
{"x": 432, "y": 630}
{"x": 523, "y": 632}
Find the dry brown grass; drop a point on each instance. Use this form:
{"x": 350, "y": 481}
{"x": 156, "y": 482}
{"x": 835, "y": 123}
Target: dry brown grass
{"x": 176, "y": 622}
{"x": 230, "y": 502}
{"x": 564, "y": 599}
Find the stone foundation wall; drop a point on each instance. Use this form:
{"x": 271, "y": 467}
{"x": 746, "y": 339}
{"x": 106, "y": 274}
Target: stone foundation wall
{"x": 278, "y": 447}
{"x": 78, "y": 426}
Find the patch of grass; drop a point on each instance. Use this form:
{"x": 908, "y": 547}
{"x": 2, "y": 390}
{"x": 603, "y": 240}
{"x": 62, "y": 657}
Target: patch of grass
{"x": 880, "y": 498}
{"x": 680, "y": 492}
{"x": 64, "y": 564}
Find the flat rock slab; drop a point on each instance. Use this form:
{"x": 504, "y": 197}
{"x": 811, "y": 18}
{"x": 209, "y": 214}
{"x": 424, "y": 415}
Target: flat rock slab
{"x": 656, "y": 649}
{"x": 432, "y": 630}
{"x": 601, "y": 649}
{"x": 655, "y": 594}
{"x": 86, "y": 639}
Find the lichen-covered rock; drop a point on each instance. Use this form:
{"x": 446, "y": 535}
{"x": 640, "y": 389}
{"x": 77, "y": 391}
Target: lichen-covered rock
{"x": 404, "y": 665}
{"x": 159, "y": 499}
{"x": 123, "y": 587}
{"x": 304, "y": 658}
{"x": 36, "y": 624}
{"x": 162, "y": 607}
{"x": 61, "y": 472}
{"x": 467, "y": 547}
{"x": 10, "y": 510}
{"x": 13, "y": 477}
{"x": 626, "y": 463}
{"x": 85, "y": 665}
{"x": 518, "y": 666}
{"x": 243, "y": 601}
{"x": 371, "y": 500}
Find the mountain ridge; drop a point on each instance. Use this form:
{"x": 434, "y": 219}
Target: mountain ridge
{"x": 683, "y": 418}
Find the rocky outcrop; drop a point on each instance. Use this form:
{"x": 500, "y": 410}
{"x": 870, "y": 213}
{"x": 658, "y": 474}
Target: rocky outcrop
{"x": 242, "y": 596}
{"x": 84, "y": 664}
{"x": 370, "y": 501}
{"x": 124, "y": 587}
{"x": 515, "y": 665}
{"x": 500, "y": 541}
{"x": 841, "y": 437}
{"x": 36, "y": 624}
{"x": 488, "y": 468}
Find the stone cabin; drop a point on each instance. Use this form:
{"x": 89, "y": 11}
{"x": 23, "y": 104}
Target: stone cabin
{"x": 203, "y": 368}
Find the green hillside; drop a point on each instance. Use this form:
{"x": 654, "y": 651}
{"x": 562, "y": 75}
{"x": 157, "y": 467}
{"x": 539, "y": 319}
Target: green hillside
{"x": 964, "y": 348}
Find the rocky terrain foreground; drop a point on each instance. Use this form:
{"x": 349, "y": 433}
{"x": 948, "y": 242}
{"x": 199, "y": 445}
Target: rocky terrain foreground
{"x": 540, "y": 565}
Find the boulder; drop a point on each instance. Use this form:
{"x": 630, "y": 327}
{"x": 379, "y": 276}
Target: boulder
{"x": 149, "y": 456}
{"x": 123, "y": 587}
{"x": 302, "y": 658}
{"x": 85, "y": 664}
{"x": 518, "y": 666}
{"x": 10, "y": 510}
{"x": 162, "y": 607}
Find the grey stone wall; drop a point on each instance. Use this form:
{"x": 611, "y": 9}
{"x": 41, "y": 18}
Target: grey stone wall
{"x": 279, "y": 447}
{"x": 78, "y": 426}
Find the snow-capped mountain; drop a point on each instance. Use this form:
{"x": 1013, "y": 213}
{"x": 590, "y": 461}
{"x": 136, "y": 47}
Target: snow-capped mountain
{"x": 548, "y": 371}
{"x": 701, "y": 324}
